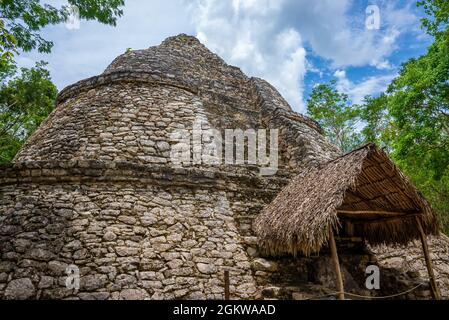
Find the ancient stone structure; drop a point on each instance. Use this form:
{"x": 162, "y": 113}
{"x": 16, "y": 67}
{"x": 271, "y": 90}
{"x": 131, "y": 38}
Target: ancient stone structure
{"x": 95, "y": 188}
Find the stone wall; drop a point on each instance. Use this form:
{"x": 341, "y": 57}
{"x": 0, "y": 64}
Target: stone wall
{"x": 128, "y": 242}
{"x": 133, "y": 233}
{"x": 410, "y": 260}
{"x": 124, "y": 121}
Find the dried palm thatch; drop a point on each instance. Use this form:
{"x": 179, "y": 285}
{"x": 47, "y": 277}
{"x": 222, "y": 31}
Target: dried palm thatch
{"x": 361, "y": 194}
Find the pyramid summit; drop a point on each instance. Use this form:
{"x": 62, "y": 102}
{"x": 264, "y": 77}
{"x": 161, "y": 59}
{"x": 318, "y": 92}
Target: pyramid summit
{"x": 94, "y": 199}
{"x": 186, "y": 80}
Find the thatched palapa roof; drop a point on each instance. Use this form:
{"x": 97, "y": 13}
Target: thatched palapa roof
{"x": 361, "y": 194}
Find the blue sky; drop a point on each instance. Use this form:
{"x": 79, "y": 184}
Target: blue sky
{"x": 294, "y": 44}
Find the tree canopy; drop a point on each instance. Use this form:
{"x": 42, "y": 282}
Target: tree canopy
{"x": 334, "y": 113}
{"x": 27, "y": 95}
{"x": 25, "y": 101}
{"x": 21, "y": 22}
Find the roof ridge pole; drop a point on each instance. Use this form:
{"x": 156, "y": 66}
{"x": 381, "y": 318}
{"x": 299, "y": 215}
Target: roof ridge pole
{"x": 334, "y": 255}
{"x": 432, "y": 280}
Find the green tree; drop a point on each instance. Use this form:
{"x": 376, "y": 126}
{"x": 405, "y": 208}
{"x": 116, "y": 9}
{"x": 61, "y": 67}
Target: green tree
{"x": 8, "y": 45}
{"x": 417, "y": 108}
{"x": 437, "y": 16}
{"x": 25, "y": 101}
{"x": 28, "y": 97}
{"x": 22, "y": 20}
{"x": 378, "y": 127}
{"x": 332, "y": 110}
{"x": 419, "y": 105}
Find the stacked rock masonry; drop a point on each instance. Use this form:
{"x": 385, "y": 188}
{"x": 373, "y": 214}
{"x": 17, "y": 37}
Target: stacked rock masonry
{"x": 95, "y": 188}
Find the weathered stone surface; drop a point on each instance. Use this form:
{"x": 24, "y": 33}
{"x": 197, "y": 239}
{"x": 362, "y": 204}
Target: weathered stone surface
{"x": 20, "y": 289}
{"x": 206, "y": 268}
{"x": 110, "y": 236}
{"x": 261, "y": 264}
{"x": 41, "y": 254}
{"x": 3, "y": 277}
{"x": 57, "y": 268}
{"x": 126, "y": 251}
{"x": 133, "y": 294}
{"x": 411, "y": 260}
{"x": 46, "y": 282}
{"x": 94, "y": 295}
{"x": 93, "y": 282}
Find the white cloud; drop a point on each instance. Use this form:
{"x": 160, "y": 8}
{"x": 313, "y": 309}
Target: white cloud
{"x": 369, "y": 86}
{"x": 247, "y": 34}
{"x": 266, "y": 38}
{"x": 86, "y": 52}
{"x": 341, "y": 36}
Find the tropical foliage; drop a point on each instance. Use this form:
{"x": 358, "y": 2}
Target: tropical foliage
{"x": 27, "y": 94}
{"x": 25, "y": 101}
{"x": 334, "y": 113}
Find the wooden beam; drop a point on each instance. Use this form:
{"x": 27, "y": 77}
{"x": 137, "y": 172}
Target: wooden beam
{"x": 433, "y": 283}
{"x": 358, "y": 212}
{"x": 369, "y": 216}
{"x": 334, "y": 255}
{"x": 351, "y": 239}
{"x": 226, "y": 284}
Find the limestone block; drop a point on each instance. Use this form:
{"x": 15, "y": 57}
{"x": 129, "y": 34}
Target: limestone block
{"x": 20, "y": 289}
{"x": 206, "y": 268}
{"x": 260, "y": 264}
{"x": 133, "y": 294}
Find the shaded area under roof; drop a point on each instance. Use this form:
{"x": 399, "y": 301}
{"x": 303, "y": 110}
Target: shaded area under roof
{"x": 362, "y": 189}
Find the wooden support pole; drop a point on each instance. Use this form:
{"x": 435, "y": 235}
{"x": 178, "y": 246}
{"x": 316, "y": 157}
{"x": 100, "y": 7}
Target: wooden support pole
{"x": 433, "y": 283}
{"x": 226, "y": 284}
{"x": 339, "y": 278}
